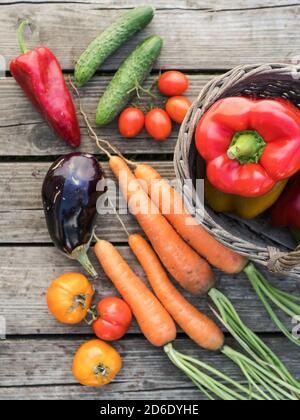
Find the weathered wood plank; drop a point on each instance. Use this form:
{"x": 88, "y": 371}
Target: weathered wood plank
{"x": 23, "y": 132}
{"x": 27, "y": 272}
{"x": 216, "y": 5}
{"x": 184, "y": 392}
{"x": 205, "y": 38}
{"x": 20, "y": 187}
{"x": 21, "y": 207}
{"x": 146, "y": 369}
{"x": 21, "y": 183}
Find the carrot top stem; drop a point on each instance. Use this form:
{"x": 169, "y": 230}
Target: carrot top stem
{"x": 93, "y": 135}
{"x": 264, "y": 359}
{"x": 268, "y": 295}
{"x": 211, "y": 386}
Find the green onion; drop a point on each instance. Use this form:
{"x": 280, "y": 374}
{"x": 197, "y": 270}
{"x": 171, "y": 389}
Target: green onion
{"x": 284, "y": 301}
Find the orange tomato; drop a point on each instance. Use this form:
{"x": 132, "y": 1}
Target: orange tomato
{"x": 69, "y": 298}
{"x": 96, "y": 363}
{"x": 177, "y": 108}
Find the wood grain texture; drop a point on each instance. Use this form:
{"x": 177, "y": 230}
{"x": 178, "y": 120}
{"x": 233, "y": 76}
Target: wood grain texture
{"x": 22, "y": 219}
{"x": 36, "y": 359}
{"x": 206, "y": 39}
{"x": 45, "y": 362}
{"x": 216, "y": 5}
{"x": 24, "y": 133}
{"x": 26, "y": 273}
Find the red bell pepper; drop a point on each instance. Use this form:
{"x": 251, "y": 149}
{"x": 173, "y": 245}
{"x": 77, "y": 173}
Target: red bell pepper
{"x": 40, "y": 76}
{"x": 286, "y": 212}
{"x": 249, "y": 144}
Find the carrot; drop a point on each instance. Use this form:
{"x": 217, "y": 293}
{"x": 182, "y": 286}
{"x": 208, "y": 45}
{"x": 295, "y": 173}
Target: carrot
{"x": 155, "y": 322}
{"x": 170, "y": 203}
{"x": 195, "y": 324}
{"x": 190, "y": 270}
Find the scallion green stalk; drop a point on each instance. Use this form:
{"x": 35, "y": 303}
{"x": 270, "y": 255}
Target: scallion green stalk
{"x": 268, "y": 295}
{"x": 265, "y": 360}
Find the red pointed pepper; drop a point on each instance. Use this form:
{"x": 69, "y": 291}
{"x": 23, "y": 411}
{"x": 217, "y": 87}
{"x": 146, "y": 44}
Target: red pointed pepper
{"x": 40, "y": 76}
{"x": 286, "y": 212}
{"x": 249, "y": 144}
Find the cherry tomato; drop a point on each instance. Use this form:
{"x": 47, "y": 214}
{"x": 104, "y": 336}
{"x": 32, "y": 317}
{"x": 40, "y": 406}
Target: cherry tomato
{"x": 69, "y": 298}
{"x": 173, "y": 83}
{"x": 114, "y": 319}
{"x": 177, "y": 108}
{"x": 96, "y": 363}
{"x": 131, "y": 122}
{"x": 158, "y": 124}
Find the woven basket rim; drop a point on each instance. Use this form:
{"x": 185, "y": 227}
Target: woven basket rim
{"x": 264, "y": 253}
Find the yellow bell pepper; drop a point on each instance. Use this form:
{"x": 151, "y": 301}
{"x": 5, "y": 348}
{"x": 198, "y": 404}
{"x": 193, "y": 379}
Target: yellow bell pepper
{"x": 245, "y": 207}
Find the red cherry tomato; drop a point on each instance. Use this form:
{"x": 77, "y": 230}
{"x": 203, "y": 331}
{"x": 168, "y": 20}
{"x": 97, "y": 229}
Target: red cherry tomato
{"x": 115, "y": 317}
{"x": 173, "y": 83}
{"x": 131, "y": 122}
{"x": 177, "y": 108}
{"x": 158, "y": 124}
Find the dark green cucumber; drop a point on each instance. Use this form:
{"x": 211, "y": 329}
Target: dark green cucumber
{"x": 110, "y": 40}
{"x": 135, "y": 69}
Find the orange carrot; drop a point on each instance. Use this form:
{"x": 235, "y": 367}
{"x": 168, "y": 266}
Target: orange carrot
{"x": 190, "y": 270}
{"x": 195, "y": 324}
{"x": 170, "y": 203}
{"x": 155, "y": 322}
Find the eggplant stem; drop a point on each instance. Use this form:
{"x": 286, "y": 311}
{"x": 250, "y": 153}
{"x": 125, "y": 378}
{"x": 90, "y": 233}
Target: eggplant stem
{"x": 84, "y": 260}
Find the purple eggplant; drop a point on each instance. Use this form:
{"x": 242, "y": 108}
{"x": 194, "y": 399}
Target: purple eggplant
{"x": 70, "y": 192}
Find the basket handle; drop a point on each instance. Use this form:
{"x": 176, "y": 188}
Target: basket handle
{"x": 281, "y": 262}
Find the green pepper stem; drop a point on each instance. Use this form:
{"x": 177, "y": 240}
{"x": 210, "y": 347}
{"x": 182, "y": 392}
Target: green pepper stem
{"x": 21, "y": 40}
{"x": 246, "y": 147}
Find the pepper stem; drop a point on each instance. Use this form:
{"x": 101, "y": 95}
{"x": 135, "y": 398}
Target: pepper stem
{"x": 246, "y": 147}
{"x": 21, "y": 40}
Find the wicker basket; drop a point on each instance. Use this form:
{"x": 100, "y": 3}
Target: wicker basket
{"x": 273, "y": 80}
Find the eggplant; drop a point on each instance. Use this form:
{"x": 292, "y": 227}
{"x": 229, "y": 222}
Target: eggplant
{"x": 70, "y": 192}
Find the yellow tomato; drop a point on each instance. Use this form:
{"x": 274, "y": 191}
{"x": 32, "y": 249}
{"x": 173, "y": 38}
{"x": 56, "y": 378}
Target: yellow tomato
{"x": 96, "y": 363}
{"x": 69, "y": 298}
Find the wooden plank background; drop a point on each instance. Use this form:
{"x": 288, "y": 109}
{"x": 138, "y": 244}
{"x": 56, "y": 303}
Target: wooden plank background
{"x": 204, "y": 38}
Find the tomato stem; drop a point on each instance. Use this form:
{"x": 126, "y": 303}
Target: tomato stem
{"x": 101, "y": 370}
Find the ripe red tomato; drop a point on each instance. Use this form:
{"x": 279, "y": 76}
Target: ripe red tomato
{"x": 158, "y": 124}
{"x": 177, "y": 108}
{"x": 173, "y": 83}
{"x": 114, "y": 319}
{"x": 131, "y": 122}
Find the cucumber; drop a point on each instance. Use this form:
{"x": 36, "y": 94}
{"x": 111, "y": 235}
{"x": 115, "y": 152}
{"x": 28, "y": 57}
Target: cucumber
{"x": 135, "y": 69}
{"x": 110, "y": 40}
